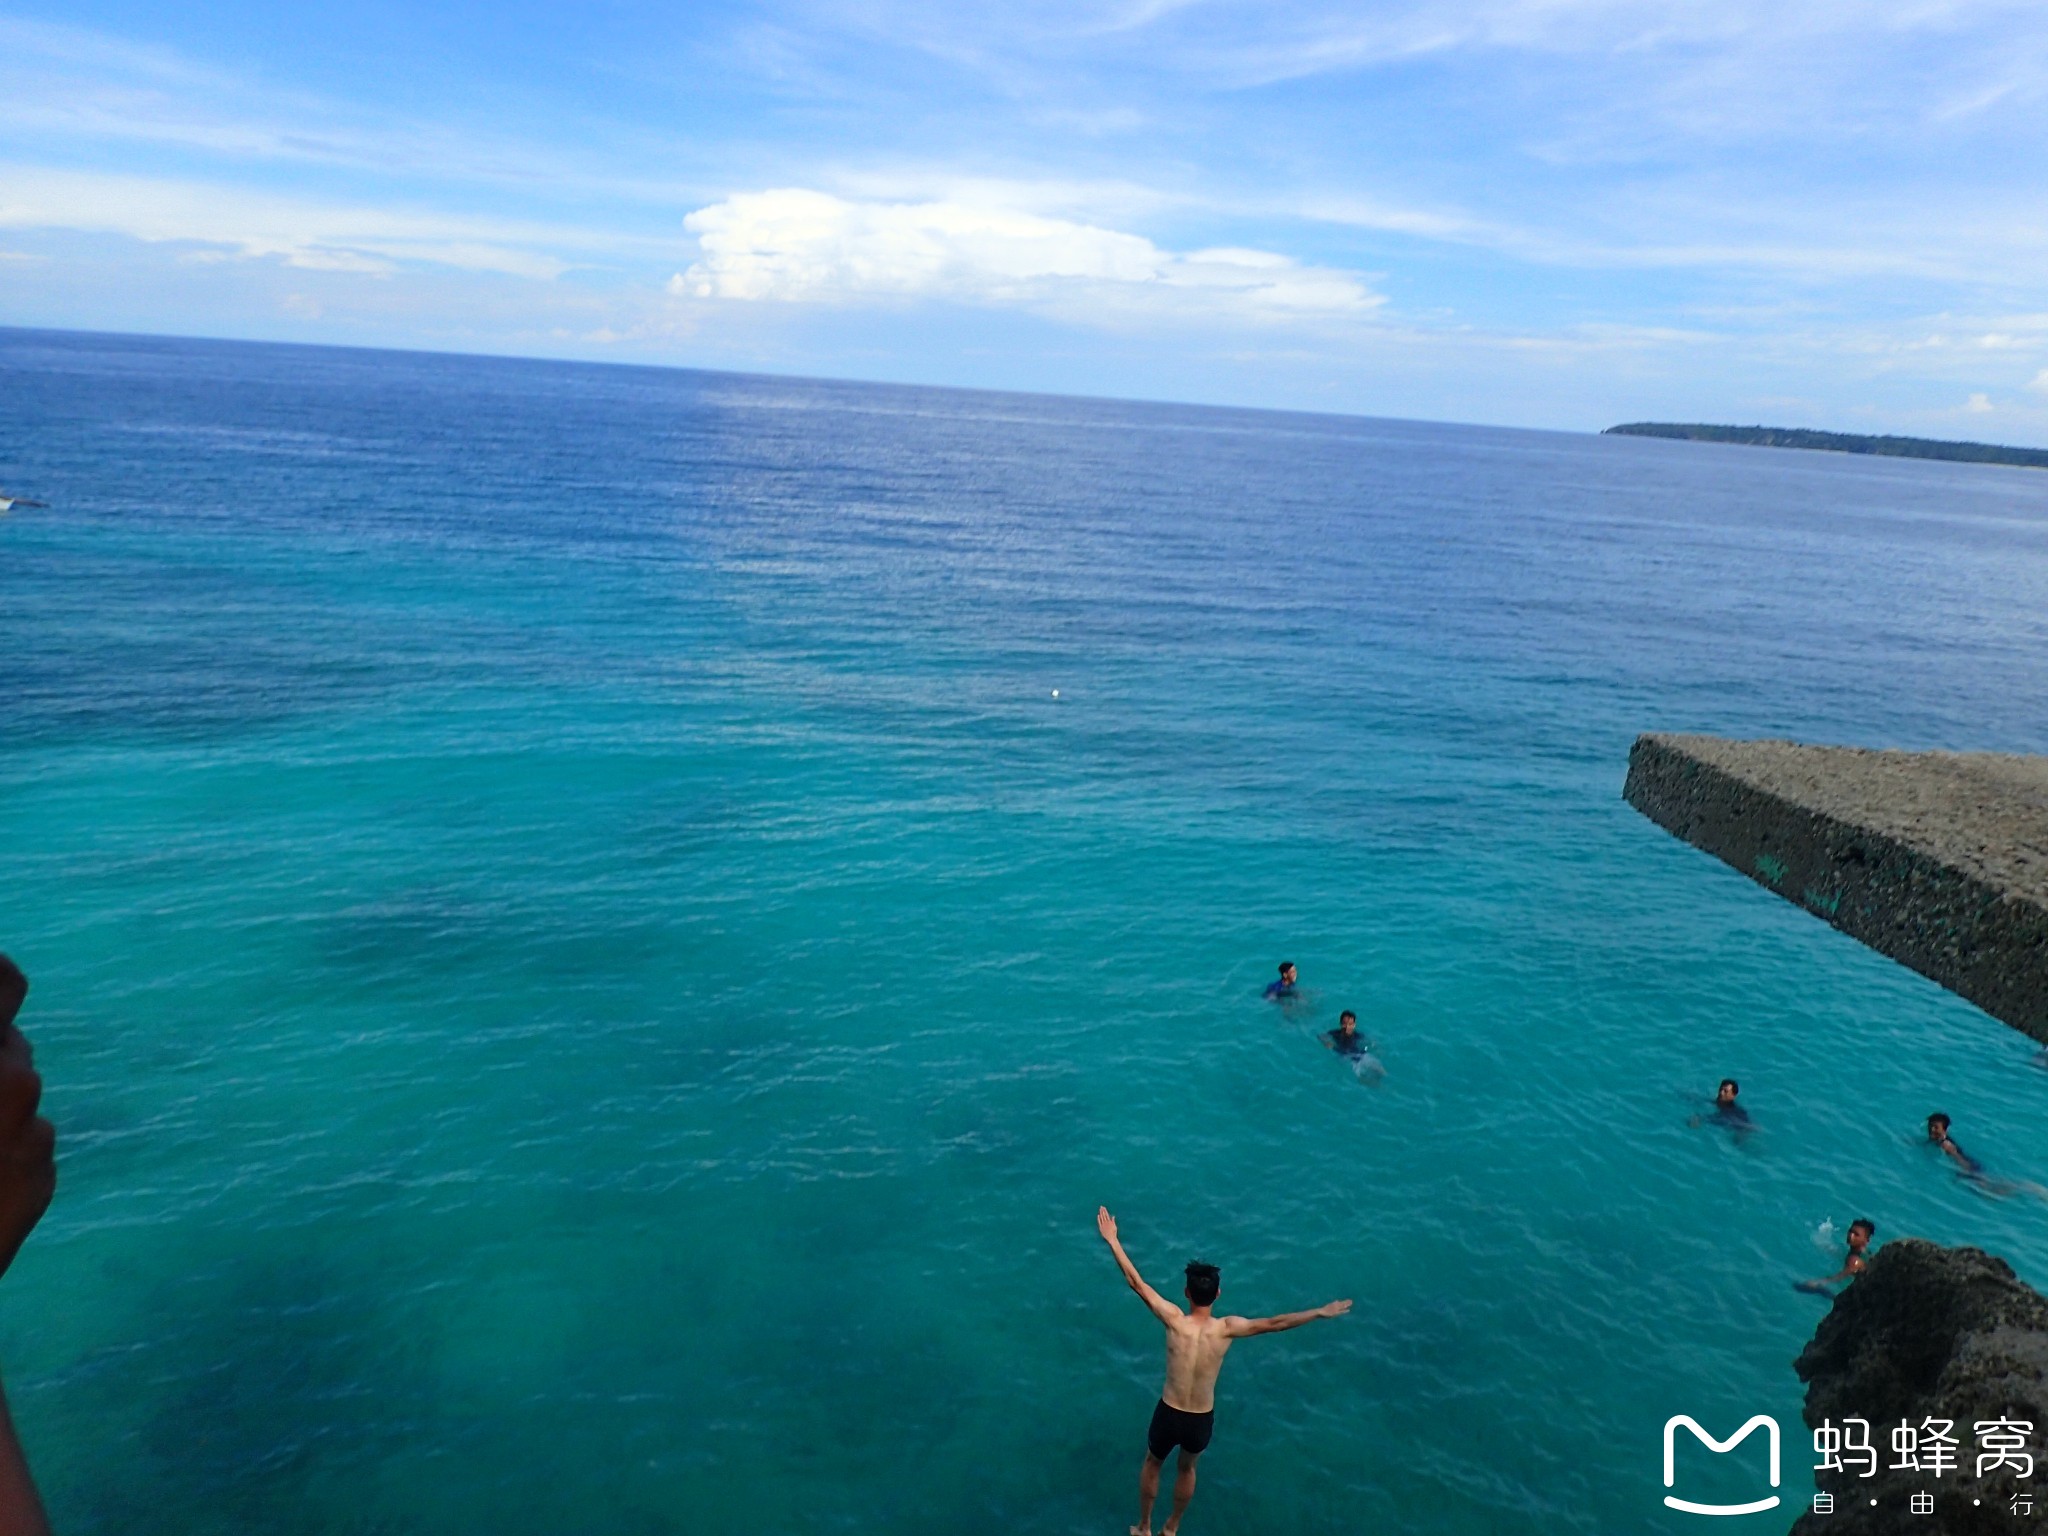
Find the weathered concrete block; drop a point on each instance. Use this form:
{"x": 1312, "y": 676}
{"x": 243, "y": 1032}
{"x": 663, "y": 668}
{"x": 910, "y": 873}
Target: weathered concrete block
{"x": 1937, "y": 859}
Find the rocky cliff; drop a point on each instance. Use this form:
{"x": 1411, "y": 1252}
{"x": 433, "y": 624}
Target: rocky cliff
{"x": 1929, "y": 1333}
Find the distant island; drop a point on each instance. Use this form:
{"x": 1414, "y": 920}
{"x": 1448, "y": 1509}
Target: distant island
{"x": 1839, "y": 442}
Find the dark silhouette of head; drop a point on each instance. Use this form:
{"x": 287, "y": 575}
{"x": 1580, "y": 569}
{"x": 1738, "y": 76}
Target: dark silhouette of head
{"x": 1866, "y": 1228}
{"x": 1937, "y": 1127}
{"x": 1727, "y": 1091}
{"x": 1347, "y": 1020}
{"x": 1205, "y": 1282}
{"x": 1287, "y": 970}
{"x": 13, "y": 989}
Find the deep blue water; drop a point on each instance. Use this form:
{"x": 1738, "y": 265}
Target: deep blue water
{"x": 587, "y": 983}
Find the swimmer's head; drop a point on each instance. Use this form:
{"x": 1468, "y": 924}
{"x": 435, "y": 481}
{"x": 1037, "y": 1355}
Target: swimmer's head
{"x": 1205, "y": 1282}
{"x": 1725, "y": 1094}
{"x": 1347, "y": 1021}
{"x": 1287, "y": 972}
{"x": 1861, "y": 1231}
{"x": 1937, "y": 1127}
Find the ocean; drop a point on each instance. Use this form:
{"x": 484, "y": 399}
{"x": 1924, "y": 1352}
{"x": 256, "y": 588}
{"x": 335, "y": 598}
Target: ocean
{"x": 599, "y": 934}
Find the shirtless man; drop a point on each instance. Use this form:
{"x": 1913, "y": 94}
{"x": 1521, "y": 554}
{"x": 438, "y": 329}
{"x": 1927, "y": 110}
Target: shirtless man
{"x": 1196, "y": 1341}
{"x": 1860, "y": 1234}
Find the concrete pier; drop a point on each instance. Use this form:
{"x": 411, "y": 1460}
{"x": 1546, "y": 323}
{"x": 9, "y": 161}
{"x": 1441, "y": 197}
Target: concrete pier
{"x": 1937, "y": 859}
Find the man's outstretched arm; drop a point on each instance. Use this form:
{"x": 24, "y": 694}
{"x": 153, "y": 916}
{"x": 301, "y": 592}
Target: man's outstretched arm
{"x": 1245, "y": 1327}
{"x": 1848, "y": 1271}
{"x": 1162, "y": 1309}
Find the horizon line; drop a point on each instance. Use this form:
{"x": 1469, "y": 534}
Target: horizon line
{"x": 7, "y": 328}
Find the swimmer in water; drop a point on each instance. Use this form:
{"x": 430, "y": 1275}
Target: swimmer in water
{"x": 1860, "y": 1234}
{"x": 1968, "y": 1167}
{"x": 1728, "y": 1114}
{"x": 1345, "y": 1039}
{"x": 1284, "y": 987}
{"x": 1196, "y": 1341}
{"x": 1348, "y": 1043}
{"x": 1726, "y": 1110}
{"x": 1937, "y": 1132}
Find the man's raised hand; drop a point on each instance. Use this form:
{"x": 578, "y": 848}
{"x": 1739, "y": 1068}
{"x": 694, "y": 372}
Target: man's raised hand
{"x": 28, "y": 1171}
{"x": 1334, "y": 1308}
{"x": 1105, "y": 1223}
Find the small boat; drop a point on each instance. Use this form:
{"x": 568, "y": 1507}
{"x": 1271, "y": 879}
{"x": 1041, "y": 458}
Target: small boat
{"x": 9, "y": 503}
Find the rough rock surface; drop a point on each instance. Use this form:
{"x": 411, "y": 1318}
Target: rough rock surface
{"x": 1937, "y": 859}
{"x": 1928, "y": 1333}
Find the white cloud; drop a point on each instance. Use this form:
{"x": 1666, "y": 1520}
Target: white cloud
{"x": 1679, "y": 227}
{"x": 228, "y": 222}
{"x": 1978, "y": 404}
{"x": 2040, "y": 383}
{"x": 1659, "y": 41}
{"x": 69, "y": 85}
{"x": 799, "y": 246}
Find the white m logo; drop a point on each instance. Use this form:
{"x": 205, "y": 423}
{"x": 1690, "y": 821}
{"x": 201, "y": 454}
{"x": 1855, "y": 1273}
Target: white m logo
{"x": 1671, "y": 1472}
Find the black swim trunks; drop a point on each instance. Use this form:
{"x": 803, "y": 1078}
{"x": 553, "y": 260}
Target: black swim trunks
{"x": 1172, "y": 1427}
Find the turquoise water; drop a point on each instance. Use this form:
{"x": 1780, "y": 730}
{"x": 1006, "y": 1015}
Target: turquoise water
{"x": 588, "y": 984}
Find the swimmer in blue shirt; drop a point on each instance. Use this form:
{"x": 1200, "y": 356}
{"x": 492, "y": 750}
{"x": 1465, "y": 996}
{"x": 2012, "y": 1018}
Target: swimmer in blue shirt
{"x": 1348, "y": 1043}
{"x": 1345, "y": 1039}
{"x": 1968, "y": 1167}
{"x": 1937, "y": 1132}
{"x": 1728, "y": 1114}
{"x": 1284, "y": 987}
{"x": 1726, "y": 1110}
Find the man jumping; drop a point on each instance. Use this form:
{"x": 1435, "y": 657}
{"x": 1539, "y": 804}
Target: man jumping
{"x": 1196, "y": 1341}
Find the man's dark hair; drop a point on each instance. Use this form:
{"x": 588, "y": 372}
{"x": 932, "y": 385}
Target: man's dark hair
{"x": 1938, "y": 1118}
{"x": 1347, "y": 1014}
{"x": 1204, "y": 1282}
{"x": 1865, "y": 1223}
{"x": 1729, "y": 1082}
{"x": 1286, "y": 965}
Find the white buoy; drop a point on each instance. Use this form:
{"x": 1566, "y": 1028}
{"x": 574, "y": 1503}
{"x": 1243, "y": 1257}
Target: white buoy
{"x": 1055, "y": 693}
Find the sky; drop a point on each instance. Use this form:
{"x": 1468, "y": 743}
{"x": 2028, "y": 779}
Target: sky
{"x": 1550, "y": 213}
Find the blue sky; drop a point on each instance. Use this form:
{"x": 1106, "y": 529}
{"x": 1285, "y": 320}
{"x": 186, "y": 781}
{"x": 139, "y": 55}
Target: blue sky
{"x": 1545, "y": 212}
